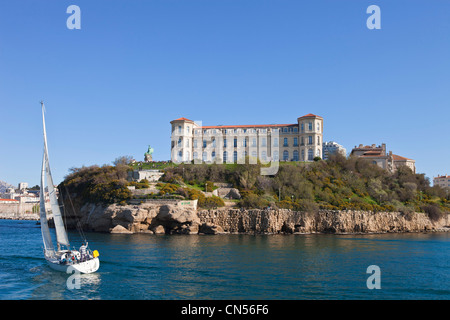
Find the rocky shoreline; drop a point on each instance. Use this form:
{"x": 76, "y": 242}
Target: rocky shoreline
{"x": 169, "y": 219}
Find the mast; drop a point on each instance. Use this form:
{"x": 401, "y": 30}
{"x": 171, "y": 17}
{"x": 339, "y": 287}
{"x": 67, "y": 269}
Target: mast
{"x": 61, "y": 235}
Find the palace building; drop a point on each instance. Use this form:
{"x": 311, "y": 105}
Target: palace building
{"x": 300, "y": 141}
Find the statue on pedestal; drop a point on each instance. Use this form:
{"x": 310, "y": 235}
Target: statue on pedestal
{"x": 148, "y": 155}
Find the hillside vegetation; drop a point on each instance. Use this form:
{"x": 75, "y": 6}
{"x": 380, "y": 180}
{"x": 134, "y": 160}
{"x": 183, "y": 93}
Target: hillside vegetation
{"x": 338, "y": 183}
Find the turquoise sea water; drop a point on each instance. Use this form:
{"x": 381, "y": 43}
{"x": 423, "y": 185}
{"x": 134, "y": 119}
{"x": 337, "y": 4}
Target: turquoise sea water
{"x": 263, "y": 267}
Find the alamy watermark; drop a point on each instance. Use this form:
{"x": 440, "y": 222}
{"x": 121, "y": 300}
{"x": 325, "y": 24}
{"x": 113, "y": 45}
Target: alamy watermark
{"x": 374, "y": 21}
{"x": 74, "y": 20}
{"x": 74, "y": 281}
{"x": 374, "y": 280}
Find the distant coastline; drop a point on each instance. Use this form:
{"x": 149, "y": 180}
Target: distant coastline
{"x": 18, "y": 216}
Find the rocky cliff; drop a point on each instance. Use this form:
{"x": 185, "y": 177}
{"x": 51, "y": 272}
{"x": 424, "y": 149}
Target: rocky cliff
{"x": 170, "y": 219}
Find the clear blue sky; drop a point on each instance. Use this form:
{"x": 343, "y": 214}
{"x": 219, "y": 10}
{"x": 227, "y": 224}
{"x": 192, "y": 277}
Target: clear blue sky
{"x": 112, "y": 87}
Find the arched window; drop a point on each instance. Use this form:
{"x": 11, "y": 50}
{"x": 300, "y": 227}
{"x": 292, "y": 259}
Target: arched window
{"x": 264, "y": 155}
{"x": 195, "y": 155}
{"x": 205, "y": 156}
{"x": 235, "y": 156}
{"x": 310, "y": 154}
{"x": 295, "y": 155}
{"x": 213, "y": 156}
{"x": 225, "y": 156}
{"x": 285, "y": 155}
{"x": 303, "y": 155}
{"x": 275, "y": 156}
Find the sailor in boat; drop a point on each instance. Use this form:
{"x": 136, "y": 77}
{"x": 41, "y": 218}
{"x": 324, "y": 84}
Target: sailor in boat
{"x": 83, "y": 251}
{"x": 63, "y": 259}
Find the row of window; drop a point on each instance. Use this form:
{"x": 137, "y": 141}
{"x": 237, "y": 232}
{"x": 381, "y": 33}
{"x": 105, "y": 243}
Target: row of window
{"x": 286, "y": 155}
{"x": 253, "y": 144}
{"x": 225, "y": 131}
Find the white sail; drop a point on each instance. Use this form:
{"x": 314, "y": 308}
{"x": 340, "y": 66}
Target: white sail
{"x": 64, "y": 260}
{"x": 46, "y": 238}
{"x": 61, "y": 234}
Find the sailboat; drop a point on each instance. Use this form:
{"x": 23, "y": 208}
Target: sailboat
{"x": 63, "y": 258}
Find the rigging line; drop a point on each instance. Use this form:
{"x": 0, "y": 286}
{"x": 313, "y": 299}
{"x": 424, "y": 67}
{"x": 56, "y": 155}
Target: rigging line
{"x": 79, "y": 228}
{"x": 64, "y": 210}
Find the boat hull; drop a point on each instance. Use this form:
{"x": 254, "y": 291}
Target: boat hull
{"x": 89, "y": 266}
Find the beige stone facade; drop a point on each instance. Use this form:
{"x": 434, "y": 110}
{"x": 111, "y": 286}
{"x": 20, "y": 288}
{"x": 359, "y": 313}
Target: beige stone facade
{"x": 300, "y": 141}
{"x": 378, "y": 155}
{"x": 442, "y": 181}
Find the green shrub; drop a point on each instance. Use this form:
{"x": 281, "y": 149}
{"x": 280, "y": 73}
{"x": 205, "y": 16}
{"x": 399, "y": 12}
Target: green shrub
{"x": 306, "y": 206}
{"x": 433, "y": 212}
{"x": 251, "y": 200}
{"x": 211, "y": 202}
{"x": 209, "y": 186}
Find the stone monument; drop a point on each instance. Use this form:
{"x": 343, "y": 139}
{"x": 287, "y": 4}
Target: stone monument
{"x": 148, "y": 155}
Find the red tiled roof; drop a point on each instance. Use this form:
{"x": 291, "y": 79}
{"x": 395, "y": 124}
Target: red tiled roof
{"x": 9, "y": 200}
{"x": 182, "y": 119}
{"x": 399, "y": 158}
{"x": 310, "y": 115}
{"x": 375, "y": 155}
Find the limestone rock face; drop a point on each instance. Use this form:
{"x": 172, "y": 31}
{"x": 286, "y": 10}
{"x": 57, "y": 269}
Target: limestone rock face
{"x": 227, "y": 193}
{"x": 209, "y": 228}
{"x": 120, "y": 229}
{"x": 172, "y": 219}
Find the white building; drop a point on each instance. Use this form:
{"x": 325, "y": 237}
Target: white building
{"x": 149, "y": 175}
{"x": 300, "y": 141}
{"x": 23, "y": 186}
{"x": 442, "y": 181}
{"x": 331, "y": 147}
